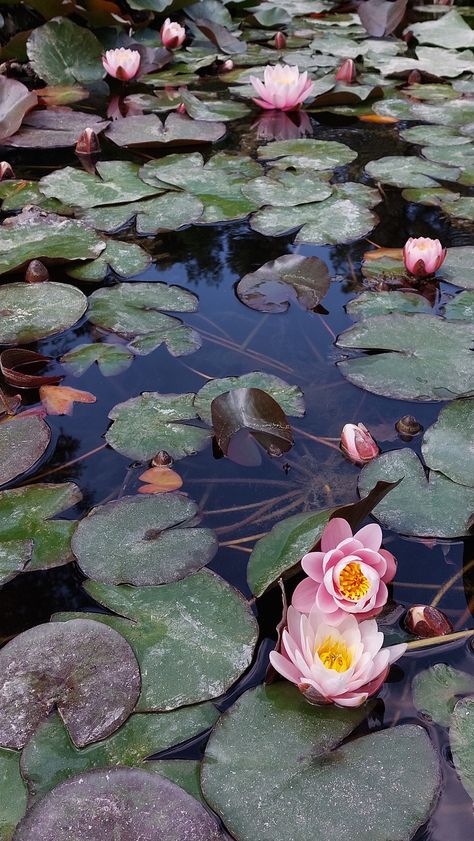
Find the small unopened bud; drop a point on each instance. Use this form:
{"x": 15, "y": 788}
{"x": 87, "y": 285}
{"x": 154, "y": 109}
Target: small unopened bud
{"x": 5, "y": 171}
{"x": 36, "y": 272}
{"x": 346, "y": 72}
{"x": 407, "y": 427}
{"x": 280, "y": 41}
{"x": 87, "y": 143}
{"x": 162, "y": 459}
{"x": 424, "y": 621}
{"x": 181, "y": 109}
{"x": 228, "y": 65}
{"x": 414, "y": 78}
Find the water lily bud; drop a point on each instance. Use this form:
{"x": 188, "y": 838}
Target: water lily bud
{"x": 181, "y": 109}
{"x": 6, "y": 171}
{"x": 122, "y": 64}
{"x": 423, "y": 256}
{"x": 424, "y": 621}
{"x": 162, "y": 459}
{"x": 227, "y": 65}
{"x": 346, "y": 72}
{"x": 357, "y": 443}
{"x": 414, "y": 77}
{"x": 87, "y": 143}
{"x": 36, "y": 272}
{"x": 172, "y": 34}
{"x": 280, "y": 41}
{"x": 407, "y": 427}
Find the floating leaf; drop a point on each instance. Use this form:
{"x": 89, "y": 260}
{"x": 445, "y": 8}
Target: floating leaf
{"x": 192, "y": 638}
{"x": 61, "y": 52}
{"x": 163, "y": 213}
{"x": 160, "y": 480}
{"x": 178, "y": 130}
{"x": 458, "y": 267}
{"x": 461, "y": 307}
{"x": 121, "y": 801}
{"x": 51, "y": 757}
{"x": 135, "y": 311}
{"x": 424, "y": 506}
{"x": 14, "y": 794}
{"x": 461, "y": 738}
{"x": 213, "y": 109}
{"x": 139, "y": 540}
{"x": 413, "y": 356}
{"x": 23, "y": 441}
{"x": 186, "y": 773}
{"x": 60, "y": 399}
{"x": 289, "y": 397}
{"x": 50, "y": 129}
{"x": 410, "y": 171}
{"x": 447, "y": 445}
{"x": 244, "y": 416}
{"x": 462, "y": 208}
{"x": 142, "y": 426}
{"x": 15, "y": 101}
{"x": 14, "y": 556}
{"x": 116, "y": 182}
{"x": 438, "y": 135}
{"x": 291, "y": 277}
{"x": 450, "y": 31}
{"x": 459, "y": 156}
{"x": 368, "y": 304}
{"x": 84, "y": 668}
{"x": 271, "y": 757}
{"x": 20, "y": 368}
{"x": 287, "y": 189}
{"x": 126, "y": 259}
{"x": 32, "y": 311}
{"x": 308, "y": 154}
{"x": 436, "y": 691}
{"x": 111, "y": 359}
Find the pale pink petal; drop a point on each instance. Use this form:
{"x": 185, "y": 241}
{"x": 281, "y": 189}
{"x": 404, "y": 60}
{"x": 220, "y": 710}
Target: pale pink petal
{"x": 284, "y": 667}
{"x": 325, "y": 601}
{"x": 312, "y": 564}
{"x": 351, "y": 700}
{"x": 391, "y": 566}
{"x": 396, "y": 651}
{"x": 335, "y": 532}
{"x": 304, "y": 595}
{"x": 370, "y": 536}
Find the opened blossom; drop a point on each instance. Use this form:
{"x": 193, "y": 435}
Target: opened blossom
{"x": 172, "y": 34}
{"x": 349, "y": 575}
{"x": 357, "y": 443}
{"x": 122, "y": 63}
{"x": 334, "y": 660}
{"x": 283, "y": 87}
{"x": 423, "y": 256}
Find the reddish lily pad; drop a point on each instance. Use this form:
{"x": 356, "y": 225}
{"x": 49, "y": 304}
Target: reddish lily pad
{"x": 292, "y": 277}
{"x": 84, "y": 668}
{"x": 244, "y": 417}
{"x": 15, "y": 101}
{"x": 23, "y": 441}
{"x": 49, "y": 129}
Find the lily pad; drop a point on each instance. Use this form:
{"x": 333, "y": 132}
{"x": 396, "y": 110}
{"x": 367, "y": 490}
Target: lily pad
{"x": 368, "y": 304}
{"x": 410, "y": 171}
{"x": 461, "y": 307}
{"x": 243, "y": 417}
{"x": 14, "y": 556}
{"x": 51, "y": 757}
{"x": 429, "y": 60}
{"x": 432, "y": 506}
{"x": 289, "y": 278}
{"x": 111, "y": 359}
{"x": 287, "y": 189}
{"x": 450, "y": 31}
{"x": 458, "y": 268}
{"x": 289, "y": 397}
{"x": 412, "y": 358}
{"x": 16, "y": 100}
{"x": 462, "y": 208}
{"x": 177, "y": 130}
{"x": 429, "y": 196}
{"x": 448, "y": 445}
{"x": 192, "y": 638}
{"x": 32, "y": 311}
{"x": 84, "y": 668}
{"x": 61, "y": 52}
{"x": 116, "y": 182}
{"x": 308, "y": 154}
{"x": 212, "y": 110}
{"x": 461, "y": 737}
{"x": 50, "y": 129}
{"x": 22, "y": 442}
{"x": 14, "y": 794}
{"x": 135, "y": 312}
{"x": 126, "y": 259}
{"x": 438, "y": 136}
{"x": 143, "y": 540}
{"x": 26, "y": 525}
{"x": 167, "y": 212}
{"x": 186, "y": 773}
{"x": 436, "y": 691}
{"x": 459, "y": 156}
{"x": 120, "y": 801}
{"x": 270, "y": 771}
{"x": 144, "y": 425}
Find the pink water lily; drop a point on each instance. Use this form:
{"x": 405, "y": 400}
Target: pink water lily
{"x": 346, "y": 72}
{"x": 357, "y": 443}
{"x": 122, "y": 63}
{"x": 423, "y": 256}
{"x": 349, "y": 575}
{"x": 172, "y": 34}
{"x": 331, "y": 660}
{"x": 283, "y": 87}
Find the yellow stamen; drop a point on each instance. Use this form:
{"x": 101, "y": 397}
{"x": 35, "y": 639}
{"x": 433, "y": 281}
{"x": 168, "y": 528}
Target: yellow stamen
{"x": 352, "y": 582}
{"x": 334, "y": 654}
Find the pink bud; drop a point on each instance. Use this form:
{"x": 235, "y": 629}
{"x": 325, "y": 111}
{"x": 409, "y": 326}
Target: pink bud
{"x": 228, "y": 65}
{"x": 181, "y": 109}
{"x": 87, "y": 143}
{"x": 6, "y": 171}
{"x": 346, "y": 72}
{"x": 36, "y": 272}
{"x": 357, "y": 443}
{"x": 423, "y": 256}
{"x": 172, "y": 34}
{"x": 424, "y": 621}
{"x": 280, "y": 41}
{"x": 122, "y": 64}
{"x": 414, "y": 78}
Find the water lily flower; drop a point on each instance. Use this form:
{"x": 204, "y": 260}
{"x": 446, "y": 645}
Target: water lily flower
{"x": 6, "y": 171}
{"x": 280, "y": 41}
{"x": 334, "y": 661}
{"x": 122, "y": 63}
{"x": 357, "y": 443}
{"x": 423, "y": 256}
{"x": 346, "y": 72}
{"x": 172, "y": 34}
{"x": 349, "y": 575}
{"x": 283, "y": 87}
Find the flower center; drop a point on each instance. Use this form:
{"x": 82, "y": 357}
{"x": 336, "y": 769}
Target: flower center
{"x": 352, "y": 582}
{"x": 334, "y": 654}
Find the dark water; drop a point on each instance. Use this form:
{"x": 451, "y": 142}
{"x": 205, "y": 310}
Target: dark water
{"x": 242, "y": 503}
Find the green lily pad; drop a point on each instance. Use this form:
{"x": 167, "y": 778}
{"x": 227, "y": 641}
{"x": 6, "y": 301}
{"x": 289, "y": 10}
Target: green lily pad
{"x": 61, "y": 52}
{"x": 111, "y": 359}
{"x": 429, "y": 60}
{"x": 458, "y": 267}
{"x": 461, "y": 738}
{"x": 289, "y": 397}
{"x": 308, "y": 154}
{"x": 14, "y": 556}
{"x": 289, "y": 278}
{"x": 368, "y": 304}
{"x": 212, "y": 109}
{"x": 434, "y": 92}
{"x": 127, "y": 802}
{"x": 50, "y": 129}
{"x": 462, "y": 208}
{"x": 84, "y": 668}
{"x": 410, "y": 171}
{"x": 438, "y": 136}
{"x": 22, "y": 442}
{"x": 14, "y": 794}
{"x": 186, "y": 773}
{"x": 287, "y": 189}
{"x": 429, "y": 196}
{"x": 36, "y": 234}
{"x": 177, "y": 130}
{"x": 126, "y": 259}
{"x": 135, "y": 312}
{"x": 382, "y": 268}
{"x": 459, "y": 156}
{"x": 116, "y": 182}
{"x": 436, "y": 691}
{"x": 192, "y": 638}
{"x": 32, "y": 311}
{"x": 143, "y": 540}
{"x": 26, "y": 524}
{"x": 461, "y": 307}
{"x": 421, "y": 506}
{"x": 412, "y": 362}
{"x": 271, "y": 771}
{"x": 163, "y": 213}
{"x": 447, "y": 445}
{"x": 450, "y": 31}
{"x": 455, "y": 112}
{"x": 50, "y": 757}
